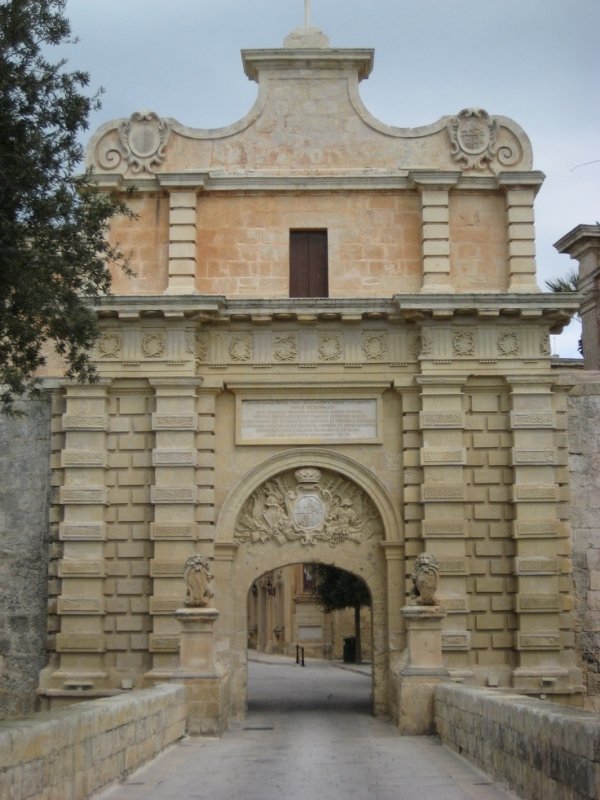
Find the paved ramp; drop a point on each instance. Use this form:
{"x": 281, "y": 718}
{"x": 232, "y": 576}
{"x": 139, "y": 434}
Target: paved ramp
{"x": 309, "y": 735}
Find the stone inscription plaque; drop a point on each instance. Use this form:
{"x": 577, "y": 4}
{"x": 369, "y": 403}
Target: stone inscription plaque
{"x": 308, "y": 420}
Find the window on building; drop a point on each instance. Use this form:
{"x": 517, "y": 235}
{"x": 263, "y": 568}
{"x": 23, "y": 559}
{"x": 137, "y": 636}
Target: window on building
{"x": 308, "y": 264}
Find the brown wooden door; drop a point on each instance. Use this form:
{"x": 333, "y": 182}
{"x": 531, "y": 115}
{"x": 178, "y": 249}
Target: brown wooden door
{"x": 308, "y": 264}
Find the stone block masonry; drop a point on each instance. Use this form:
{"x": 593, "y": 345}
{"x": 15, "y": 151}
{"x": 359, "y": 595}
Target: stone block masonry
{"x": 584, "y": 458}
{"x": 24, "y": 532}
{"x": 541, "y": 750}
{"x": 73, "y": 752}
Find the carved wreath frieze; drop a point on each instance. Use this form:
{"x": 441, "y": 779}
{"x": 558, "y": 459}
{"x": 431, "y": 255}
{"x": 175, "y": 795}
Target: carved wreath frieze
{"x": 375, "y": 346}
{"x": 154, "y": 345}
{"x": 307, "y": 506}
{"x": 285, "y": 348}
{"x": 109, "y": 345}
{"x": 463, "y": 343}
{"x": 330, "y": 347}
{"x": 508, "y": 344}
{"x": 240, "y": 347}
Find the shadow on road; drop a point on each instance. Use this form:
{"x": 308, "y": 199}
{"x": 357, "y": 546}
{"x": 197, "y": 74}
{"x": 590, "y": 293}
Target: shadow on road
{"x": 285, "y": 687}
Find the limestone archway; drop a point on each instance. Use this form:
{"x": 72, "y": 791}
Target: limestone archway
{"x": 308, "y": 505}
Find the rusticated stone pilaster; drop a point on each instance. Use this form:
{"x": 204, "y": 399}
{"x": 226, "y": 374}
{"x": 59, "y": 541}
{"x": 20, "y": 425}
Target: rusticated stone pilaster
{"x": 542, "y": 565}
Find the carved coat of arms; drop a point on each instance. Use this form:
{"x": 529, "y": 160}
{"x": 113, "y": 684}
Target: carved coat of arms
{"x": 307, "y": 506}
{"x": 473, "y": 136}
{"x": 144, "y": 137}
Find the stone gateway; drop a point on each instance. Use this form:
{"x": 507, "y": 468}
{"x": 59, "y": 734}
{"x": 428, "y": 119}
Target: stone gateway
{"x": 333, "y": 349}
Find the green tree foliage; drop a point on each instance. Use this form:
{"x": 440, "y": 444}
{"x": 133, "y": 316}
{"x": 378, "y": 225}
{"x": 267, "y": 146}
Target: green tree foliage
{"x": 566, "y": 283}
{"x": 335, "y": 589}
{"x": 54, "y": 254}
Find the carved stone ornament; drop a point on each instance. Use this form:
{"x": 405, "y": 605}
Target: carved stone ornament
{"x": 144, "y": 138}
{"x": 508, "y": 344}
{"x": 422, "y": 344}
{"x": 201, "y": 344}
{"x": 545, "y": 345}
{"x": 197, "y": 575}
{"x": 463, "y": 343}
{"x": 154, "y": 345}
{"x": 109, "y": 345}
{"x": 330, "y": 347}
{"x": 307, "y": 506}
{"x": 473, "y": 136}
{"x": 190, "y": 342}
{"x": 375, "y": 346}
{"x": 240, "y": 347}
{"x": 425, "y": 579}
{"x": 285, "y": 348}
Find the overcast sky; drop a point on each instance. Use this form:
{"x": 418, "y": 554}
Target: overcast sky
{"x": 536, "y": 61}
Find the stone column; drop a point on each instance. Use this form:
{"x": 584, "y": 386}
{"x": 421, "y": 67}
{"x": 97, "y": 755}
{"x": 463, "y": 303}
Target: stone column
{"x": 182, "y": 242}
{"x": 232, "y": 628}
{"x": 542, "y": 563}
{"x": 175, "y": 497}
{"x": 83, "y": 496}
{"x": 443, "y": 496}
{"x": 583, "y": 244}
{"x": 434, "y": 189}
{"x": 394, "y": 557}
{"x": 520, "y": 232}
{"x": 423, "y": 670}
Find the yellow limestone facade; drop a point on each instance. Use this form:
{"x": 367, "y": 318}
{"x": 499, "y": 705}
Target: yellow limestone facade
{"x": 412, "y": 409}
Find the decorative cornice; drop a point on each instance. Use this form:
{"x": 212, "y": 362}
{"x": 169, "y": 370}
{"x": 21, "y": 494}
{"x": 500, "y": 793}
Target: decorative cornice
{"x": 579, "y": 240}
{"x": 348, "y": 181}
{"x": 358, "y": 59}
{"x": 521, "y": 180}
{"x": 555, "y": 309}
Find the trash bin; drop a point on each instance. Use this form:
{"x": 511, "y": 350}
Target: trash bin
{"x": 349, "y": 650}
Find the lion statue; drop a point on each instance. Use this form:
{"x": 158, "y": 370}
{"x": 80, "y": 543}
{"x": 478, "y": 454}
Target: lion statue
{"x": 425, "y": 580}
{"x": 197, "y": 575}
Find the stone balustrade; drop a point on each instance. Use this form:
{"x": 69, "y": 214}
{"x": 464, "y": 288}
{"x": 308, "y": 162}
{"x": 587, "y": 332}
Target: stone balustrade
{"x": 541, "y": 750}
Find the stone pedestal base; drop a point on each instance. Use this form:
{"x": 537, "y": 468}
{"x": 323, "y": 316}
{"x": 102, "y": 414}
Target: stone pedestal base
{"x": 197, "y": 647}
{"x": 205, "y": 680}
{"x": 422, "y": 671}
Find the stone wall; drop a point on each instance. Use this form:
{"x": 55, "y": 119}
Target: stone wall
{"x": 75, "y": 751}
{"x": 24, "y": 522}
{"x": 584, "y": 466}
{"x": 541, "y": 750}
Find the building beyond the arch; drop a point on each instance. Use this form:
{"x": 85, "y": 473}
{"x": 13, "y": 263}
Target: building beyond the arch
{"x": 333, "y": 348}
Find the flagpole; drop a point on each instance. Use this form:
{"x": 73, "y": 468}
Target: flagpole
{"x": 307, "y": 13}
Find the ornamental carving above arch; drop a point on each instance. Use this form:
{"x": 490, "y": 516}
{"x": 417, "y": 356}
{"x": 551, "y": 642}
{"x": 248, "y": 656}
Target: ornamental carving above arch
{"x": 308, "y": 505}
{"x": 141, "y": 141}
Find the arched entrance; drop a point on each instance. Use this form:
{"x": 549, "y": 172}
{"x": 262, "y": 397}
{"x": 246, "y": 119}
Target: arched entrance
{"x": 308, "y": 505}
{"x": 313, "y": 615}
{"x": 324, "y": 610}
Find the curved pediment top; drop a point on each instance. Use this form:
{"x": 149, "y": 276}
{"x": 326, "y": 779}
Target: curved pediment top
{"x": 309, "y": 119}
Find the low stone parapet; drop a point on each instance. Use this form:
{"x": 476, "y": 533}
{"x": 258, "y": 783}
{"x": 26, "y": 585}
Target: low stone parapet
{"x": 540, "y": 750}
{"x": 72, "y": 752}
